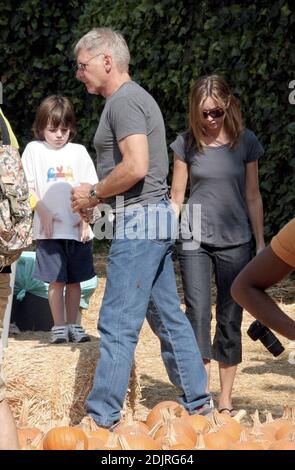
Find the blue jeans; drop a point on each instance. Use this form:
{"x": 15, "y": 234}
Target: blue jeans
{"x": 140, "y": 268}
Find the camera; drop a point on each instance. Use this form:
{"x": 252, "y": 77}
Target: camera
{"x": 259, "y": 331}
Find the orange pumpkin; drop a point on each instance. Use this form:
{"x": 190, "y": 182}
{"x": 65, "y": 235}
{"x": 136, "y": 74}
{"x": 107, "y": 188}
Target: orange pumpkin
{"x": 130, "y": 426}
{"x": 155, "y": 415}
{"x": 65, "y": 438}
{"x": 27, "y": 435}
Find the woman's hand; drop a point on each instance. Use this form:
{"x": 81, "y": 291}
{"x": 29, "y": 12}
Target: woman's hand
{"x": 176, "y": 207}
{"x": 260, "y": 248}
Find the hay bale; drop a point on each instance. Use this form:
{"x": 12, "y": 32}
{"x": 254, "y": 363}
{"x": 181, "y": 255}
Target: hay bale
{"x": 55, "y": 379}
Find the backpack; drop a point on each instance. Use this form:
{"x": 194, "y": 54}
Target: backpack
{"x": 15, "y": 212}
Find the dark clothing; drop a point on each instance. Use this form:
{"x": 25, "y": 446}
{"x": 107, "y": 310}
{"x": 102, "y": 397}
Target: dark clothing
{"x": 196, "y": 270}
{"x": 67, "y": 261}
{"x": 218, "y": 235}
{"x": 6, "y": 269}
{"x": 217, "y": 183}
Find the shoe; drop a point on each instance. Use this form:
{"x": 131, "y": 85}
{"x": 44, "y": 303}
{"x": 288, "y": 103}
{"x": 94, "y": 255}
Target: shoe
{"x": 77, "y": 334}
{"x": 89, "y": 423}
{"x": 59, "y": 334}
{"x": 203, "y": 410}
{"x": 113, "y": 427}
{"x": 14, "y": 329}
{"x": 229, "y": 411}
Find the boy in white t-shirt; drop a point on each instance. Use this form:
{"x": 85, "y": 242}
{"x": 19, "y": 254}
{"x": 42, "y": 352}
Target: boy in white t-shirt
{"x": 53, "y": 165}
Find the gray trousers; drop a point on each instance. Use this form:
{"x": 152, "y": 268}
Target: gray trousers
{"x": 196, "y": 268}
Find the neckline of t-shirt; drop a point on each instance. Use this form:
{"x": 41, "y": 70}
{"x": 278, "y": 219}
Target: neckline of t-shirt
{"x": 128, "y": 82}
{"x": 50, "y": 147}
{"x": 211, "y": 147}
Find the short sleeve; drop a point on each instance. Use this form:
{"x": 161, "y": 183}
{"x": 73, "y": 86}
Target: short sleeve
{"x": 283, "y": 244}
{"x": 178, "y": 146}
{"x": 89, "y": 171}
{"x": 127, "y": 117}
{"x": 28, "y": 165}
{"x": 254, "y": 149}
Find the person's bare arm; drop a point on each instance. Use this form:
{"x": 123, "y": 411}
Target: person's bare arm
{"x": 248, "y": 290}
{"x": 133, "y": 168}
{"x": 179, "y": 183}
{"x": 8, "y": 431}
{"x": 254, "y": 204}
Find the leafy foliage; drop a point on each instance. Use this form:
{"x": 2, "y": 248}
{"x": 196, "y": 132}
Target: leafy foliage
{"x": 172, "y": 43}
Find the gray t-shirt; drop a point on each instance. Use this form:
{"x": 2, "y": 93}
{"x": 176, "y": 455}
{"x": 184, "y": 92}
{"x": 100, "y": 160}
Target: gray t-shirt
{"x": 132, "y": 110}
{"x": 217, "y": 183}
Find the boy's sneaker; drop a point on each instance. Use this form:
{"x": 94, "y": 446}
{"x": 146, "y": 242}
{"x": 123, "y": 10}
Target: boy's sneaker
{"x": 59, "y": 334}
{"x": 77, "y": 334}
{"x": 14, "y": 329}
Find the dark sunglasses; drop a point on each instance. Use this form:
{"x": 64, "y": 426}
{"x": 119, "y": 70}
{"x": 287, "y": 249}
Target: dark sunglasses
{"x": 214, "y": 113}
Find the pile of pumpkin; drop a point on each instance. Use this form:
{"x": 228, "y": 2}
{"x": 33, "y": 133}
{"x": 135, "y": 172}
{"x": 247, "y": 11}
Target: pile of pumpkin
{"x": 168, "y": 426}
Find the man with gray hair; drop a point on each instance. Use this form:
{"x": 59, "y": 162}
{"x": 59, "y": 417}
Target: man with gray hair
{"x": 133, "y": 164}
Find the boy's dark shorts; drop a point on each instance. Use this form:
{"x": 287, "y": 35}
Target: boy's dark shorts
{"x": 67, "y": 261}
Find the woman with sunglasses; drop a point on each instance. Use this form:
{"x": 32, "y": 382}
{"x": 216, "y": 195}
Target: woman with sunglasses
{"x": 219, "y": 158}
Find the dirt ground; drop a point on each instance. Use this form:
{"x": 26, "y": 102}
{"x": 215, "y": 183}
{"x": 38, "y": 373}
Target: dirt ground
{"x": 262, "y": 382}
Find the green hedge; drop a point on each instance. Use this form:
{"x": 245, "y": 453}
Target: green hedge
{"x": 172, "y": 43}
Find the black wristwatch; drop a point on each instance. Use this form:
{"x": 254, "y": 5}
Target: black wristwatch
{"x": 92, "y": 193}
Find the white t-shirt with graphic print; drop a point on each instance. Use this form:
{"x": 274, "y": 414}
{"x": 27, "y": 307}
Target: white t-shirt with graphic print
{"x": 52, "y": 173}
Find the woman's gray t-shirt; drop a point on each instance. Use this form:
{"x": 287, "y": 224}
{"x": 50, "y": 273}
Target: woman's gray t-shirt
{"x": 217, "y": 183}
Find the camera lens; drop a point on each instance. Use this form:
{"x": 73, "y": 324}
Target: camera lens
{"x": 255, "y": 330}
{"x": 271, "y": 342}
{"x": 265, "y": 335}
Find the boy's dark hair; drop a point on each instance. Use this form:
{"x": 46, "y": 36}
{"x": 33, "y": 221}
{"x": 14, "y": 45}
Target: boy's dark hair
{"x": 56, "y": 110}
